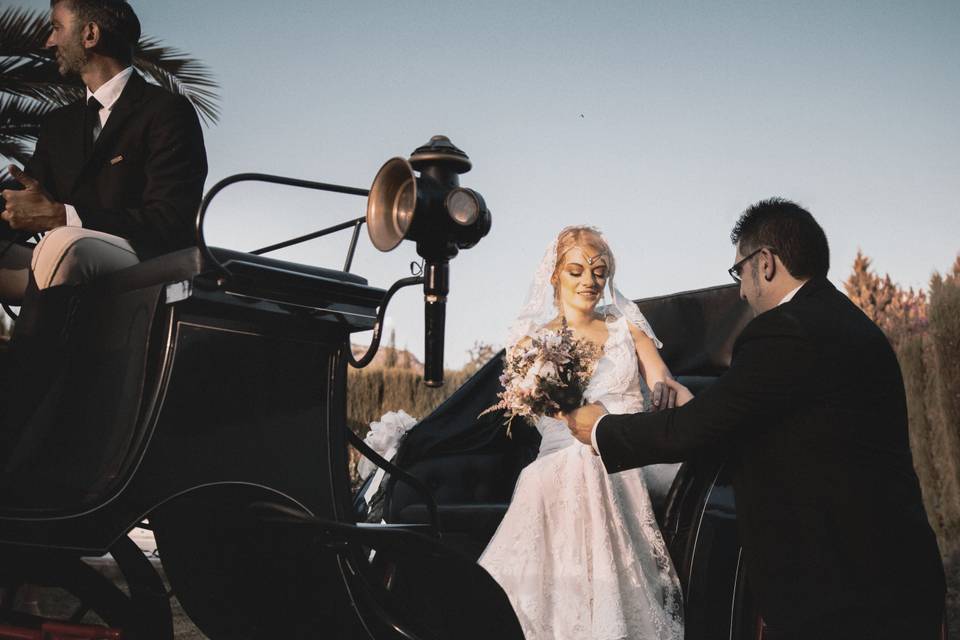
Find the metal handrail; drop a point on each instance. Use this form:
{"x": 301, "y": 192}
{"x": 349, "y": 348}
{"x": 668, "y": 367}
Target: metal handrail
{"x": 283, "y": 180}
{"x": 401, "y": 475}
{"x": 367, "y": 358}
{"x": 356, "y": 223}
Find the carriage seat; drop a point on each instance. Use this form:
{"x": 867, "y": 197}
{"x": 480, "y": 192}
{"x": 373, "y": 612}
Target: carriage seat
{"x": 246, "y": 268}
{"x": 472, "y": 491}
{"x": 466, "y": 528}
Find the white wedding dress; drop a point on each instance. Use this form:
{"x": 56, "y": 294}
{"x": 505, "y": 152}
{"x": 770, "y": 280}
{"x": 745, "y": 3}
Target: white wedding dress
{"x": 579, "y": 551}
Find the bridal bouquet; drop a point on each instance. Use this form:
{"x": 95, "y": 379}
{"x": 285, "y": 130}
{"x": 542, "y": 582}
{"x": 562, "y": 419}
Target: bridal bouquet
{"x": 546, "y": 375}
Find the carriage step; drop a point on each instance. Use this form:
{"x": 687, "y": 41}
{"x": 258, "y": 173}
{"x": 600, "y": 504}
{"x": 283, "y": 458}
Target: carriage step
{"x": 60, "y": 631}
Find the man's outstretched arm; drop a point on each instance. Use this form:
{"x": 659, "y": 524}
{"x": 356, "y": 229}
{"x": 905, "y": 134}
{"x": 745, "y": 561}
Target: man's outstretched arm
{"x": 769, "y": 372}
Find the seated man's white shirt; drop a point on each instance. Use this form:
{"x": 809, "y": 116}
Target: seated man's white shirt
{"x": 107, "y": 96}
{"x": 593, "y": 433}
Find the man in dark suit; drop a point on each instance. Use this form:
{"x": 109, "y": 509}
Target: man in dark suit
{"x": 834, "y": 532}
{"x": 116, "y": 177}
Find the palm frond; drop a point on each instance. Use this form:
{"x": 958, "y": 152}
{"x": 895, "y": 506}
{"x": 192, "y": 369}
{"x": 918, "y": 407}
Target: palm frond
{"x": 31, "y": 86}
{"x": 27, "y": 69}
{"x": 173, "y": 70}
{"x": 23, "y": 32}
{"x": 39, "y": 79}
{"x": 22, "y": 114}
{"x": 14, "y": 150}
{"x": 20, "y": 120}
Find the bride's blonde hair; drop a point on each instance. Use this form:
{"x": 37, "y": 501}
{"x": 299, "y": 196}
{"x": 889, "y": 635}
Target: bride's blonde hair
{"x": 585, "y": 238}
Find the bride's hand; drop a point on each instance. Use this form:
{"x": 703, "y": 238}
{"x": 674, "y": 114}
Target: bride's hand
{"x": 669, "y": 394}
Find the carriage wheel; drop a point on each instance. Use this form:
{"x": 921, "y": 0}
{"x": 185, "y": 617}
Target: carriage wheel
{"x": 76, "y": 592}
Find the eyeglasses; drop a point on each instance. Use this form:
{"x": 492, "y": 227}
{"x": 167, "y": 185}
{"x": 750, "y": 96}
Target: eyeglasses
{"x": 734, "y": 271}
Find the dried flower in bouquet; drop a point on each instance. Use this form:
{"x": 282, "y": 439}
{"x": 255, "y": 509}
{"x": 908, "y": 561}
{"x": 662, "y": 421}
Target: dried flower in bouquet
{"x": 545, "y": 375}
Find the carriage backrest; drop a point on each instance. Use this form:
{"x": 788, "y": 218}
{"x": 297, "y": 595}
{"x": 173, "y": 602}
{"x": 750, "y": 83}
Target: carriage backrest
{"x": 698, "y": 328}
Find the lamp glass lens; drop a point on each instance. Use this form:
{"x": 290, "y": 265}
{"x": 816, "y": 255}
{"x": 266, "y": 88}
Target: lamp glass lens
{"x": 462, "y": 207}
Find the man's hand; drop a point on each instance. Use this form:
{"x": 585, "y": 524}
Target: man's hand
{"x": 31, "y": 209}
{"x": 580, "y": 421}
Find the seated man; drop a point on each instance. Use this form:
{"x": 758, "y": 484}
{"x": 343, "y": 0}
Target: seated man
{"x": 115, "y": 178}
{"x": 119, "y": 175}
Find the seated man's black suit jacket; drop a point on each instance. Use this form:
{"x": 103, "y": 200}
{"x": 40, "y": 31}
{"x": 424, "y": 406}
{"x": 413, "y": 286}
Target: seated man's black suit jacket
{"x": 828, "y": 503}
{"x": 144, "y": 178}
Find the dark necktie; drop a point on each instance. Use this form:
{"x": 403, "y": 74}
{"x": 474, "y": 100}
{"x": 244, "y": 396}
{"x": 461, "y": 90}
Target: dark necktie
{"x": 92, "y": 121}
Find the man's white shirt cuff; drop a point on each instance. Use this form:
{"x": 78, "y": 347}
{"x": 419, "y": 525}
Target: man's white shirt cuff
{"x": 73, "y": 218}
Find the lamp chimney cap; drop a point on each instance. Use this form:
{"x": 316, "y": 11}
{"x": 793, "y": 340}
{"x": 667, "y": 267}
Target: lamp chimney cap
{"x": 439, "y": 150}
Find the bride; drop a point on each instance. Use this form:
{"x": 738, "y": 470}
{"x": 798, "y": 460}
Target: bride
{"x": 579, "y": 552}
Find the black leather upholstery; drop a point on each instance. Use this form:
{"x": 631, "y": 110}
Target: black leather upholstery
{"x": 465, "y": 527}
{"x": 240, "y": 263}
{"x": 186, "y": 264}
{"x": 471, "y": 478}
{"x": 697, "y": 328}
{"x": 472, "y": 492}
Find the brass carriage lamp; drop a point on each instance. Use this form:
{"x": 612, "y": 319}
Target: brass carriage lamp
{"x": 434, "y": 211}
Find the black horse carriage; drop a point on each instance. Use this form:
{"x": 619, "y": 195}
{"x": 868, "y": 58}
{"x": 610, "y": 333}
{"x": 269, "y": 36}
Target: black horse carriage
{"x": 208, "y": 403}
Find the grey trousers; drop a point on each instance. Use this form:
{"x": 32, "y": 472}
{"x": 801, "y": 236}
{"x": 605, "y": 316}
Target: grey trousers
{"x": 65, "y": 255}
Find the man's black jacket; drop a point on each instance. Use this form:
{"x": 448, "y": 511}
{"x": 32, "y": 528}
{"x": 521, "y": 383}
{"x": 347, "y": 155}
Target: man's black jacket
{"x": 143, "y": 181}
{"x": 828, "y": 503}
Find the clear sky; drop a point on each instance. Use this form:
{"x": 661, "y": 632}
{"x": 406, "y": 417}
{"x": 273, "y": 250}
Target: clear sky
{"x": 658, "y": 122}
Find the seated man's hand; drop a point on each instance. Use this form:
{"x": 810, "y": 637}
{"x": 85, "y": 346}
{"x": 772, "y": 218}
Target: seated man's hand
{"x": 31, "y": 209}
{"x": 580, "y": 421}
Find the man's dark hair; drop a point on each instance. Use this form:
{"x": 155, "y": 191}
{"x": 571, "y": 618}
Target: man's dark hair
{"x": 119, "y": 25}
{"x": 790, "y": 231}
